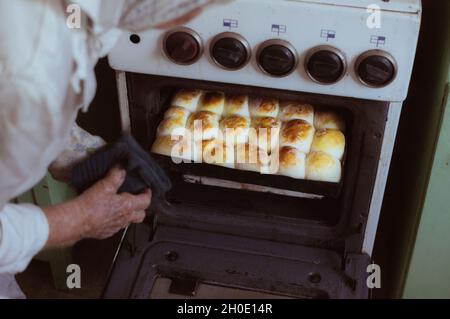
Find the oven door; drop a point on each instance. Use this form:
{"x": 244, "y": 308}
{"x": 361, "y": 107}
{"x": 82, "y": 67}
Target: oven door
{"x": 180, "y": 263}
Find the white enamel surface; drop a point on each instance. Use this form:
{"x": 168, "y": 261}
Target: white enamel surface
{"x": 384, "y": 164}
{"x": 304, "y": 22}
{"x": 411, "y": 6}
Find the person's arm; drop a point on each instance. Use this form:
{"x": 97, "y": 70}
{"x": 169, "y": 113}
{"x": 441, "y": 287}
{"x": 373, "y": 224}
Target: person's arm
{"x": 98, "y": 213}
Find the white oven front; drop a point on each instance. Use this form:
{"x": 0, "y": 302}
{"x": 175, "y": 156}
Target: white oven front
{"x": 326, "y": 53}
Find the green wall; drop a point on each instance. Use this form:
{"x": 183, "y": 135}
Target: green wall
{"x": 410, "y": 174}
{"x": 429, "y": 271}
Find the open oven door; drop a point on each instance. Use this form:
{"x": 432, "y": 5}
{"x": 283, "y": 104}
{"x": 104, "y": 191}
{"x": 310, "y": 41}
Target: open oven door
{"x": 168, "y": 262}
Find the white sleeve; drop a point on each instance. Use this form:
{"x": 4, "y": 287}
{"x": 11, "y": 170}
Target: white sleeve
{"x": 46, "y": 75}
{"x": 36, "y": 66}
{"x": 23, "y": 233}
{"x": 35, "y": 71}
{"x": 140, "y": 15}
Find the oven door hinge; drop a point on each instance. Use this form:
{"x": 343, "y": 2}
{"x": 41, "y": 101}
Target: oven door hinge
{"x": 183, "y": 287}
{"x": 355, "y": 273}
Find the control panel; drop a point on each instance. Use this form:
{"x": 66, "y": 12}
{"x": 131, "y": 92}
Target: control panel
{"x": 293, "y": 45}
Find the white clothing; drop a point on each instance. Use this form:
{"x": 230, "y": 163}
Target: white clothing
{"x": 46, "y": 77}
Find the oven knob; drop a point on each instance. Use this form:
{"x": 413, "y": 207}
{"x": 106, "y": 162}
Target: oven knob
{"x": 183, "y": 46}
{"x": 277, "y": 58}
{"x": 325, "y": 64}
{"x": 230, "y": 51}
{"x": 376, "y": 68}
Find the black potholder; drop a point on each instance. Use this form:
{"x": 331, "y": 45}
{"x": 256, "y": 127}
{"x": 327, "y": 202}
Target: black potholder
{"x": 142, "y": 170}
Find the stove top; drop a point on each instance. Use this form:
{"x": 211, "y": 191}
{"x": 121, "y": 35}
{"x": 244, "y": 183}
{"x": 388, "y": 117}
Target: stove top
{"x": 411, "y": 6}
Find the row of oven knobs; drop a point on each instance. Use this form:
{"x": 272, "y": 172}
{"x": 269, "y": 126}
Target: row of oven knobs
{"x": 278, "y": 58}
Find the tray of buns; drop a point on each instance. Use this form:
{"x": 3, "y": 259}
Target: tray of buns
{"x": 307, "y": 143}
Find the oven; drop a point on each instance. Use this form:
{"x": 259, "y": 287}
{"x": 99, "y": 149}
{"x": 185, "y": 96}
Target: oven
{"x": 229, "y": 233}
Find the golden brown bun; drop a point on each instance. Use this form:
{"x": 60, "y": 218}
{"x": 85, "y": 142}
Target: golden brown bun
{"x": 298, "y": 134}
{"x": 235, "y": 122}
{"x": 264, "y": 107}
{"x": 237, "y": 105}
{"x": 188, "y": 99}
{"x": 251, "y": 158}
{"x": 267, "y": 132}
{"x": 266, "y": 122}
{"x": 209, "y": 125}
{"x": 172, "y": 126}
{"x": 170, "y": 146}
{"x": 218, "y": 153}
{"x": 329, "y": 120}
{"x": 177, "y": 112}
{"x": 331, "y": 142}
{"x": 323, "y": 167}
{"x": 237, "y": 126}
{"x": 296, "y": 111}
{"x": 292, "y": 163}
{"x": 212, "y": 102}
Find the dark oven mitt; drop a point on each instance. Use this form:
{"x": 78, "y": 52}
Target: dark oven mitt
{"x": 142, "y": 170}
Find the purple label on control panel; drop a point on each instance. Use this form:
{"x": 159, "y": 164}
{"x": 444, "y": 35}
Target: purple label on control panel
{"x": 328, "y": 34}
{"x": 279, "y": 28}
{"x": 230, "y": 23}
{"x": 378, "y": 40}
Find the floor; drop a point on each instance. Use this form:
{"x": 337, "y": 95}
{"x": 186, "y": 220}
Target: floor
{"x": 94, "y": 258}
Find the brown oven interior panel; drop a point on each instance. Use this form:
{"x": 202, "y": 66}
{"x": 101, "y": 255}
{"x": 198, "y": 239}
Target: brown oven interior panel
{"x": 253, "y": 178}
{"x": 342, "y": 204}
{"x": 254, "y": 204}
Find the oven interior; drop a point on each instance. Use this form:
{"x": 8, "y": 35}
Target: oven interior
{"x": 331, "y": 204}
{"x": 224, "y": 240}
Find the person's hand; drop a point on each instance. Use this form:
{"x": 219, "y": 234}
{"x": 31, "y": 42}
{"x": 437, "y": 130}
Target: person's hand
{"x": 97, "y": 213}
{"x": 106, "y": 212}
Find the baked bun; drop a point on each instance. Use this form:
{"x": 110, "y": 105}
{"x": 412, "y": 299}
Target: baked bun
{"x": 262, "y": 135}
{"x": 323, "y": 167}
{"x": 216, "y": 152}
{"x": 329, "y": 120}
{"x": 172, "y": 126}
{"x": 264, "y": 107}
{"x": 331, "y": 142}
{"x": 292, "y": 163}
{"x": 188, "y": 99}
{"x": 212, "y": 102}
{"x": 296, "y": 111}
{"x": 172, "y": 146}
{"x": 236, "y": 105}
{"x": 251, "y": 158}
{"x": 207, "y": 124}
{"x": 298, "y": 134}
{"x": 177, "y": 112}
{"x": 236, "y": 125}
{"x": 267, "y": 131}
